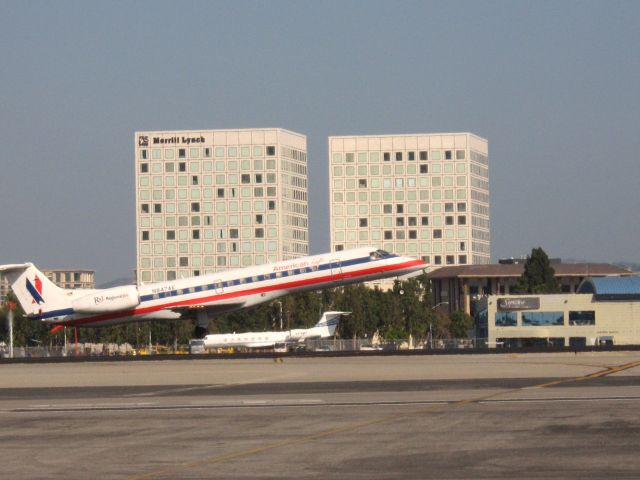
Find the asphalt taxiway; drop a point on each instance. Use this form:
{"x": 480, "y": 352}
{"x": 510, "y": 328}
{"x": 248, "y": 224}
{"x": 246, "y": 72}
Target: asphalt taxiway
{"x": 479, "y": 416}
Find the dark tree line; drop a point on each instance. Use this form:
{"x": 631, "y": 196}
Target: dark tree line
{"x": 405, "y": 310}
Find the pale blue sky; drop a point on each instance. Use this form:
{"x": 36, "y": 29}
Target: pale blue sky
{"x": 553, "y": 86}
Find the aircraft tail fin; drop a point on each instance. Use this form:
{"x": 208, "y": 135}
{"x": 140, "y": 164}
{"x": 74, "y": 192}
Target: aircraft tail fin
{"x": 35, "y": 292}
{"x": 330, "y": 320}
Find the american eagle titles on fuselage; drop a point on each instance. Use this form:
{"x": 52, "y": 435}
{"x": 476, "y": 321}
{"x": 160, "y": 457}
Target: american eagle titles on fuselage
{"x": 203, "y": 296}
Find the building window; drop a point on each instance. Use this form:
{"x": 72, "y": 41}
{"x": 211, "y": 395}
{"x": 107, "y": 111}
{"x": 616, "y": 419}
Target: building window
{"x": 463, "y": 246}
{"x": 144, "y": 208}
{"x": 462, "y": 207}
{"x": 386, "y": 156}
{"x": 388, "y": 235}
{"x": 271, "y": 205}
{"x": 398, "y": 156}
{"x": 258, "y": 178}
{"x": 339, "y": 248}
{"x": 580, "y": 318}
{"x": 259, "y": 219}
{"x": 363, "y": 222}
{"x": 171, "y": 234}
{"x": 462, "y": 259}
{"x": 413, "y": 234}
{"x": 195, "y": 207}
{"x": 412, "y": 221}
{"x": 451, "y": 259}
{"x": 459, "y": 154}
{"x": 411, "y": 155}
{"x": 387, "y": 208}
{"x": 144, "y": 168}
{"x": 399, "y": 221}
{"x": 184, "y": 261}
{"x": 437, "y": 260}
{"x": 447, "y": 155}
{"x": 271, "y": 151}
{"x": 233, "y": 233}
{"x": 182, "y": 152}
{"x": 194, "y": 180}
{"x": 362, "y": 183}
{"x": 506, "y": 319}
{"x": 462, "y": 220}
{"x": 399, "y": 208}
{"x": 245, "y": 178}
{"x": 220, "y": 193}
{"x": 195, "y": 234}
{"x": 145, "y": 235}
{"x": 424, "y": 221}
{"x": 437, "y": 233}
{"x": 448, "y": 220}
{"x": 424, "y": 168}
{"x": 448, "y": 207}
{"x": 259, "y": 232}
{"x": 535, "y": 319}
{"x": 182, "y": 167}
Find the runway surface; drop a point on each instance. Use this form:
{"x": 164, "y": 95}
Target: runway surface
{"x": 484, "y": 416}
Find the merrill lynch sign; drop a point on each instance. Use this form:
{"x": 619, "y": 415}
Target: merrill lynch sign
{"x": 518, "y": 303}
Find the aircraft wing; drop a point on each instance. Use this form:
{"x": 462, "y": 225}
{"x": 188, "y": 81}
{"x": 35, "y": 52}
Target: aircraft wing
{"x": 211, "y": 310}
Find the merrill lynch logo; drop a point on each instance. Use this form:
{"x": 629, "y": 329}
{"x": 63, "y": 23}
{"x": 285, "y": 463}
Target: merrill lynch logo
{"x": 176, "y": 140}
{"x": 518, "y": 303}
{"x": 143, "y": 140}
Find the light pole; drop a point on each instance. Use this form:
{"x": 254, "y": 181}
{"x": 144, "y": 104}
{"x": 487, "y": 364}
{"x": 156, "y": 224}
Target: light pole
{"x": 431, "y": 324}
{"x": 11, "y": 306}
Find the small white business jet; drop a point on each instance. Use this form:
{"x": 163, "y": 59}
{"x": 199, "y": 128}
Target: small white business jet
{"x": 200, "y": 297}
{"x": 325, "y": 328}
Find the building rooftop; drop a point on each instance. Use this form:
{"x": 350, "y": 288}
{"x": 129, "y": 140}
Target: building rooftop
{"x": 516, "y": 269}
{"x": 612, "y": 288}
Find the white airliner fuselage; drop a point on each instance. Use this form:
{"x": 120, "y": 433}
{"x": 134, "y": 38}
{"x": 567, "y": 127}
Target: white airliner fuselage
{"x": 202, "y": 296}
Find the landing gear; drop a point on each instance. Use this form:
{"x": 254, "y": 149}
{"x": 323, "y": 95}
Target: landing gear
{"x": 200, "y": 332}
{"x": 202, "y": 326}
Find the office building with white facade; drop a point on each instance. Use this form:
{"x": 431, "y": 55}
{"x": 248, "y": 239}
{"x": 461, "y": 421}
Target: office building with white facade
{"x": 424, "y": 195}
{"x": 209, "y": 200}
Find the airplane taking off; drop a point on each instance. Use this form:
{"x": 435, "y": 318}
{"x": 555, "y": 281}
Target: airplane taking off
{"x": 325, "y": 328}
{"x": 199, "y": 297}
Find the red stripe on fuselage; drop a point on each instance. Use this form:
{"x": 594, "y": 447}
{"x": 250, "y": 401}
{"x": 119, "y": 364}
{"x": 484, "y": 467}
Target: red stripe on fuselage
{"x": 243, "y": 293}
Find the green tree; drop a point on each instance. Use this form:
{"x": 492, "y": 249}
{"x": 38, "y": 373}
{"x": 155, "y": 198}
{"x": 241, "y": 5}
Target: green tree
{"x": 538, "y": 275}
{"x": 461, "y": 323}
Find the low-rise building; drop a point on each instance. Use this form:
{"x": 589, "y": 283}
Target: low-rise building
{"x": 603, "y": 311}
{"x": 459, "y": 287}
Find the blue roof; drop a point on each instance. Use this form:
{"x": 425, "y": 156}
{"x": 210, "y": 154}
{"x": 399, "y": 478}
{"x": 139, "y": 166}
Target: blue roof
{"x": 611, "y": 288}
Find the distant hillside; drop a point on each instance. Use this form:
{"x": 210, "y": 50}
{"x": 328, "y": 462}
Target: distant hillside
{"x": 634, "y": 267}
{"x": 117, "y": 283}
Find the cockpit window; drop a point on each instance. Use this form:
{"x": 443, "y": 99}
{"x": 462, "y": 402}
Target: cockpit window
{"x": 379, "y": 254}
